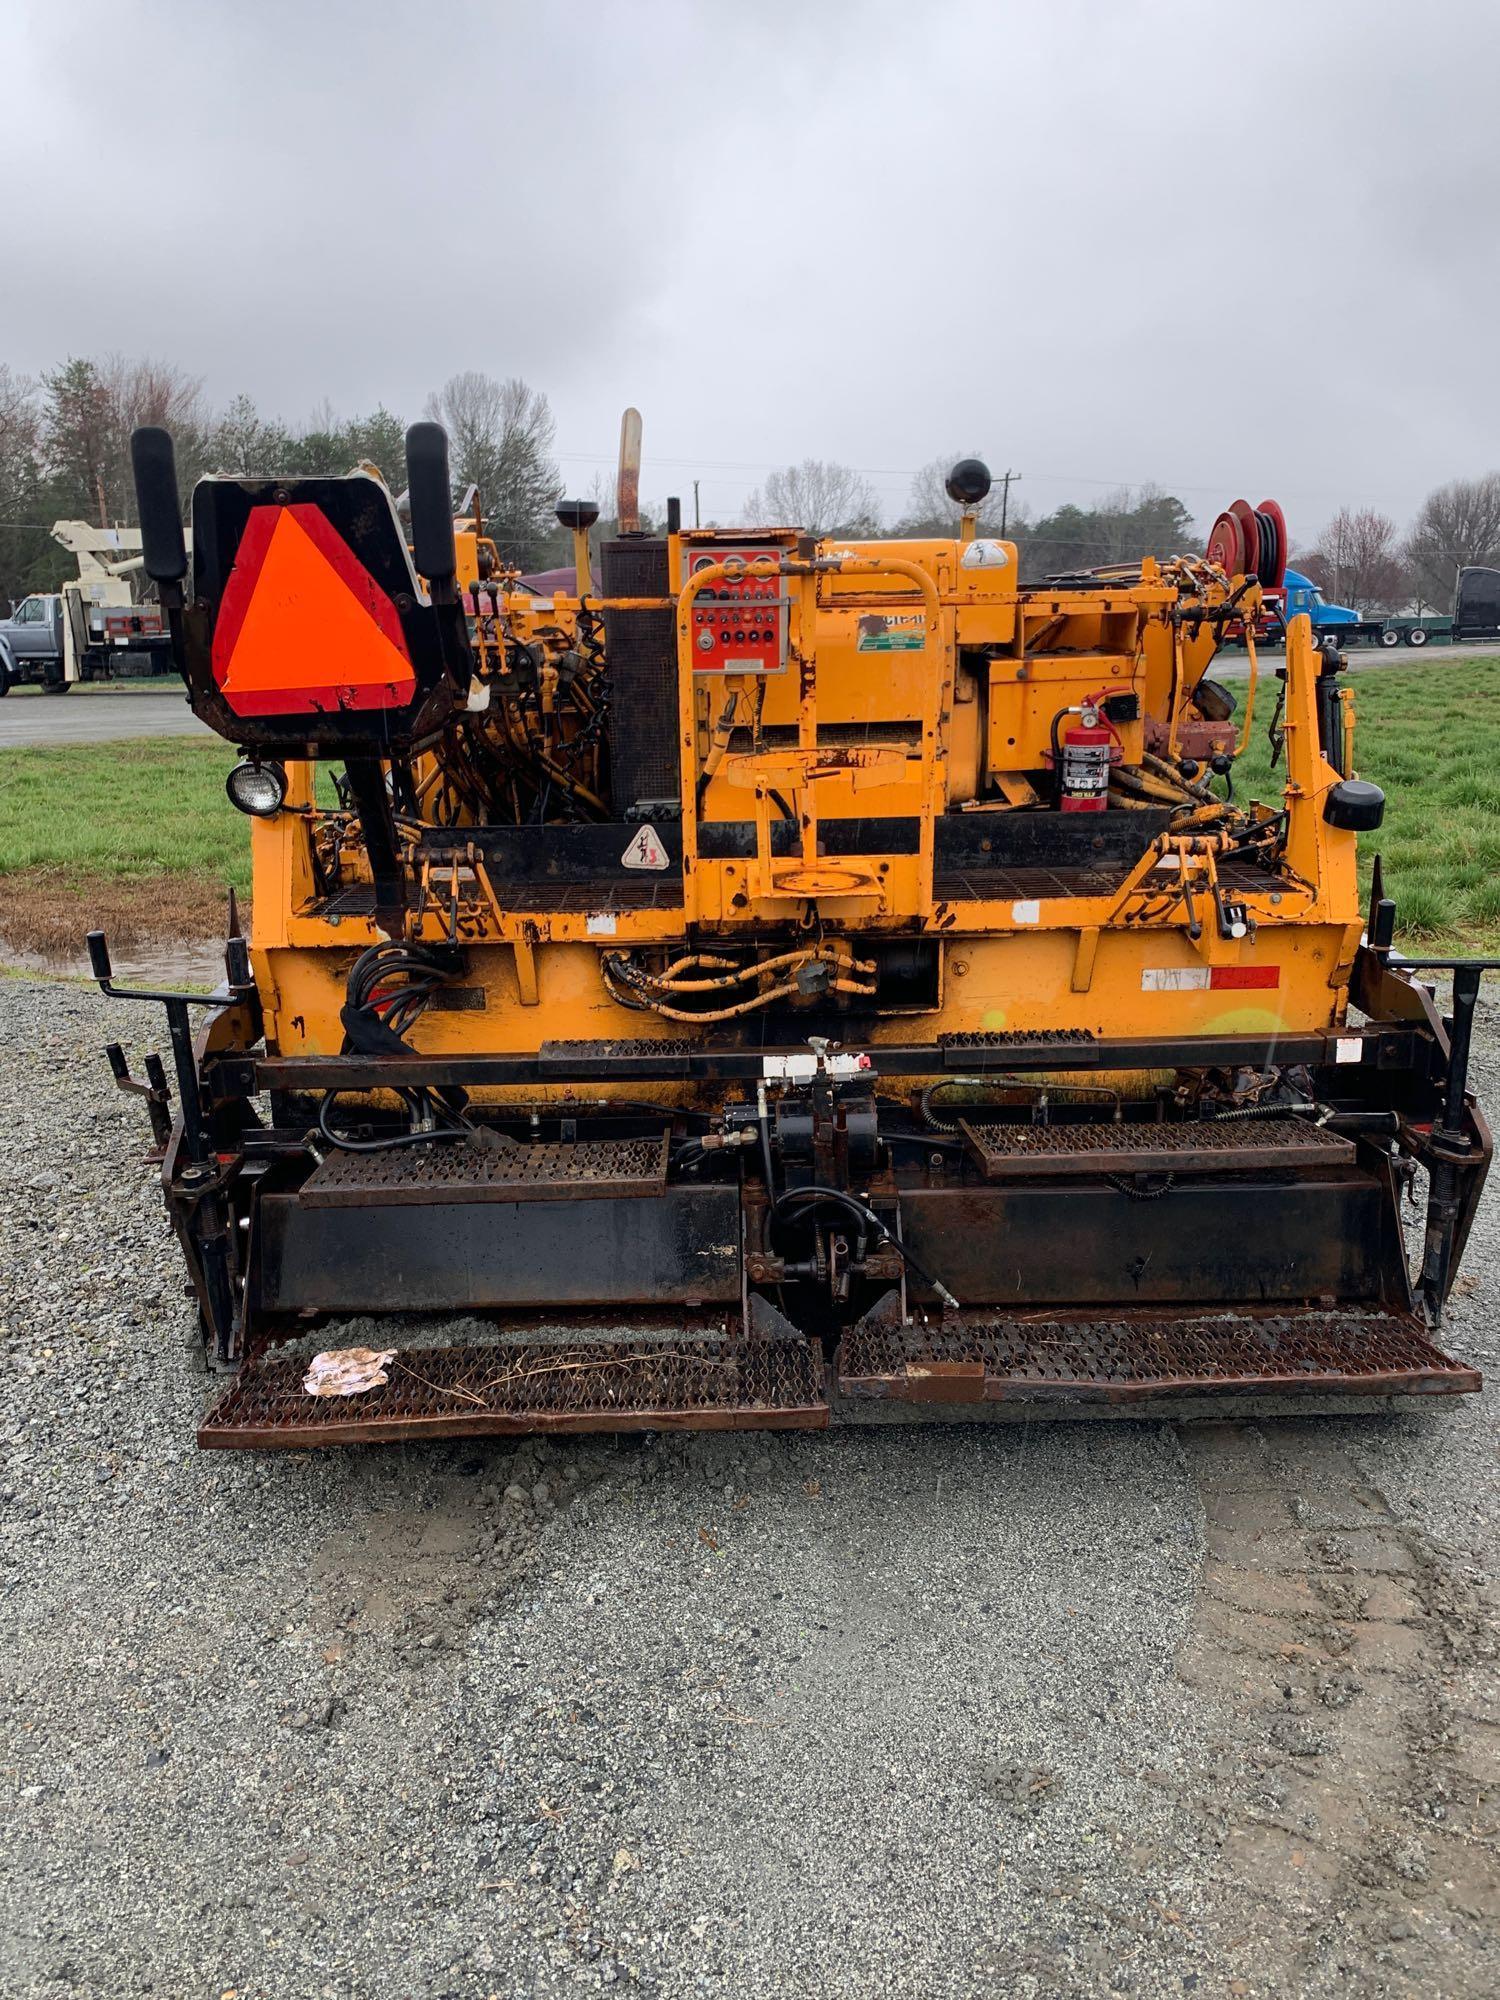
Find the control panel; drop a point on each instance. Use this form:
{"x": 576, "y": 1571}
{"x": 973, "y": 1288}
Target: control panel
{"x": 739, "y": 624}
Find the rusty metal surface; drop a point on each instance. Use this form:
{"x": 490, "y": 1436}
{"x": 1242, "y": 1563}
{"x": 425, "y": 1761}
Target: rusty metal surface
{"x": 1195, "y": 1145}
{"x": 1133, "y": 1357}
{"x": 721, "y": 1383}
{"x": 463, "y": 1170}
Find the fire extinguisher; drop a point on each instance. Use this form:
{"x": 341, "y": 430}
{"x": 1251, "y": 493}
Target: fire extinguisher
{"x": 1083, "y": 766}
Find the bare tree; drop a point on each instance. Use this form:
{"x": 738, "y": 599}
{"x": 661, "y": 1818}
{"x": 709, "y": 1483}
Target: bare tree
{"x": 500, "y": 438}
{"x": 818, "y": 496}
{"x": 148, "y": 391}
{"x": 1357, "y": 560}
{"x": 21, "y": 532}
{"x": 929, "y": 510}
{"x": 18, "y": 419}
{"x": 1458, "y": 524}
{"x": 468, "y": 406}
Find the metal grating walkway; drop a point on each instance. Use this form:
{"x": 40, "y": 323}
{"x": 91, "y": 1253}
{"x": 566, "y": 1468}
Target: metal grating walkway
{"x": 1194, "y": 1145}
{"x": 726, "y": 1383}
{"x": 974, "y": 1358}
{"x": 466, "y": 1170}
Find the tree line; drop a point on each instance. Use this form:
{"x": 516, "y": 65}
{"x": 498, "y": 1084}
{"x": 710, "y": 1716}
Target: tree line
{"x": 1362, "y": 559}
{"x": 65, "y": 455}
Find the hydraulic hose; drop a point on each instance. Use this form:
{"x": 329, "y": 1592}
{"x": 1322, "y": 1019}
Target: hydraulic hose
{"x": 789, "y": 1205}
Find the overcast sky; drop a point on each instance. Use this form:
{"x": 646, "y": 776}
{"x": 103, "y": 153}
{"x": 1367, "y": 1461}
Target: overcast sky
{"x": 1231, "y": 246}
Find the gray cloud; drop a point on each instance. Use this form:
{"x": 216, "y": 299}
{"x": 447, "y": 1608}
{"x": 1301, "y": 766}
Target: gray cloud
{"x": 1228, "y": 250}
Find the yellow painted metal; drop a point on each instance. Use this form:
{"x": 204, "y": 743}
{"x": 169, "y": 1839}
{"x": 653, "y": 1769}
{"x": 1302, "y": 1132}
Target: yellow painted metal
{"x": 914, "y": 686}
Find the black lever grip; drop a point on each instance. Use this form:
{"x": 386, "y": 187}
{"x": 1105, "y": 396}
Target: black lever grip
{"x": 163, "y": 549}
{"x": 430, "y": 497}
{"x": 237, "y": 962}
{"x": 99, "y": 963}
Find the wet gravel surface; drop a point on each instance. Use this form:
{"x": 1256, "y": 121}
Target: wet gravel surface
{"x": 1070, "y": 1709}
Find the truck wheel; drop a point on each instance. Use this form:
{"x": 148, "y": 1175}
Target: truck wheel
{"x": 4, "y": 680}
{"x": 1390, "y": 636}
{"x": 1417, "y": 636}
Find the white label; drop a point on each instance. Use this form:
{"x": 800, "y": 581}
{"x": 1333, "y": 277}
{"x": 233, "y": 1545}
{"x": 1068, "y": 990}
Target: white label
{"x": 479, "y": 697}
{"x": 645, "y": 851}
{"x": 1350, "y": 1048}
{"x": 984, "y": 554}
{"x": 1174, "y": 978}
{"x": 790, "y": 1069}
{"x": 1026, "y": 913}
{"x": 803, "y": 1068}
{"x": 602, "y": 926}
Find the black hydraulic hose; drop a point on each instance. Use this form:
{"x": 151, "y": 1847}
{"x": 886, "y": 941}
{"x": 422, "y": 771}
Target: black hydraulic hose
{"x": 765, "y": 1151}
{"x": 813, "y": 1194}
{"x": 348, "y": 1144}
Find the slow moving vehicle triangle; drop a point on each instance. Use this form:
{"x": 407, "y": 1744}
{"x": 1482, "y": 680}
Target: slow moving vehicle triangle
{"x": 303, "y": 625}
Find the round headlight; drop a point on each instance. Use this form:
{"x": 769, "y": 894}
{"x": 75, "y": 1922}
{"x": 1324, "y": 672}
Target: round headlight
{"x": 257, "y": 788}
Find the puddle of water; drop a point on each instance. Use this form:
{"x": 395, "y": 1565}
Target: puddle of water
{"x": 197, "y": 966}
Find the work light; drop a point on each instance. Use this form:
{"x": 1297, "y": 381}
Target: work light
{"x": 257, "y": 788}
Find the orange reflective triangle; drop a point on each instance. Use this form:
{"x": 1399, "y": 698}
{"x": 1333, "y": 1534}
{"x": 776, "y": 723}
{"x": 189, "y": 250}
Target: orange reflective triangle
{"x": 303, "y": 626}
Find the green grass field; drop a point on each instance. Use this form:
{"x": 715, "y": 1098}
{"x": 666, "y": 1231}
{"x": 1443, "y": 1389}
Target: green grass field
{"x": 120, "y": 817}
{"x": 1429, "y": 736}
{"x": 129, "y": 810}
{"x": 136, "y": 839}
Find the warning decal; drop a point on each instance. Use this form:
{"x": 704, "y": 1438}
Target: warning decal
{"x": 646, "y": 851}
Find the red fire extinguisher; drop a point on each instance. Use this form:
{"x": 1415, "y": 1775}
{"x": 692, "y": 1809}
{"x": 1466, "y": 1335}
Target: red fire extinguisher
{"x": 1084, "y": 763}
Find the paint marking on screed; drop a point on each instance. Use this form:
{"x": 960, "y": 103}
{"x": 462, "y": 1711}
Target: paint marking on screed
{"x": 1202, "y": 978}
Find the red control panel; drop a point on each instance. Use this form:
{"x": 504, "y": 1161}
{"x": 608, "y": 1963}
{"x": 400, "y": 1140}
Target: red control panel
{"x": 739, "y": 623}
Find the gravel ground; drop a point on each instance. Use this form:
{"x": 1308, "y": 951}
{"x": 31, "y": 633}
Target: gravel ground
{"x": 1059, "y": 1710}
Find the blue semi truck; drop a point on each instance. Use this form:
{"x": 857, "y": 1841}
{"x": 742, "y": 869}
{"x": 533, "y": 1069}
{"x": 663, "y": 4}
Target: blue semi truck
{"x": 1337, "y": 621}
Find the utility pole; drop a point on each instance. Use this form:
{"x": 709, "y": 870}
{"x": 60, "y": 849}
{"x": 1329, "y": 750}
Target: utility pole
{"x": 697, "y": 523}
{"x": 1005, "y": 479}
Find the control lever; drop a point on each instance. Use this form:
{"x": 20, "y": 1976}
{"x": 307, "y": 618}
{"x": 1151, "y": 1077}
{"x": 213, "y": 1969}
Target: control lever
{"x": 154, "y": 1090}
{"x": 198, "y": 1176}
